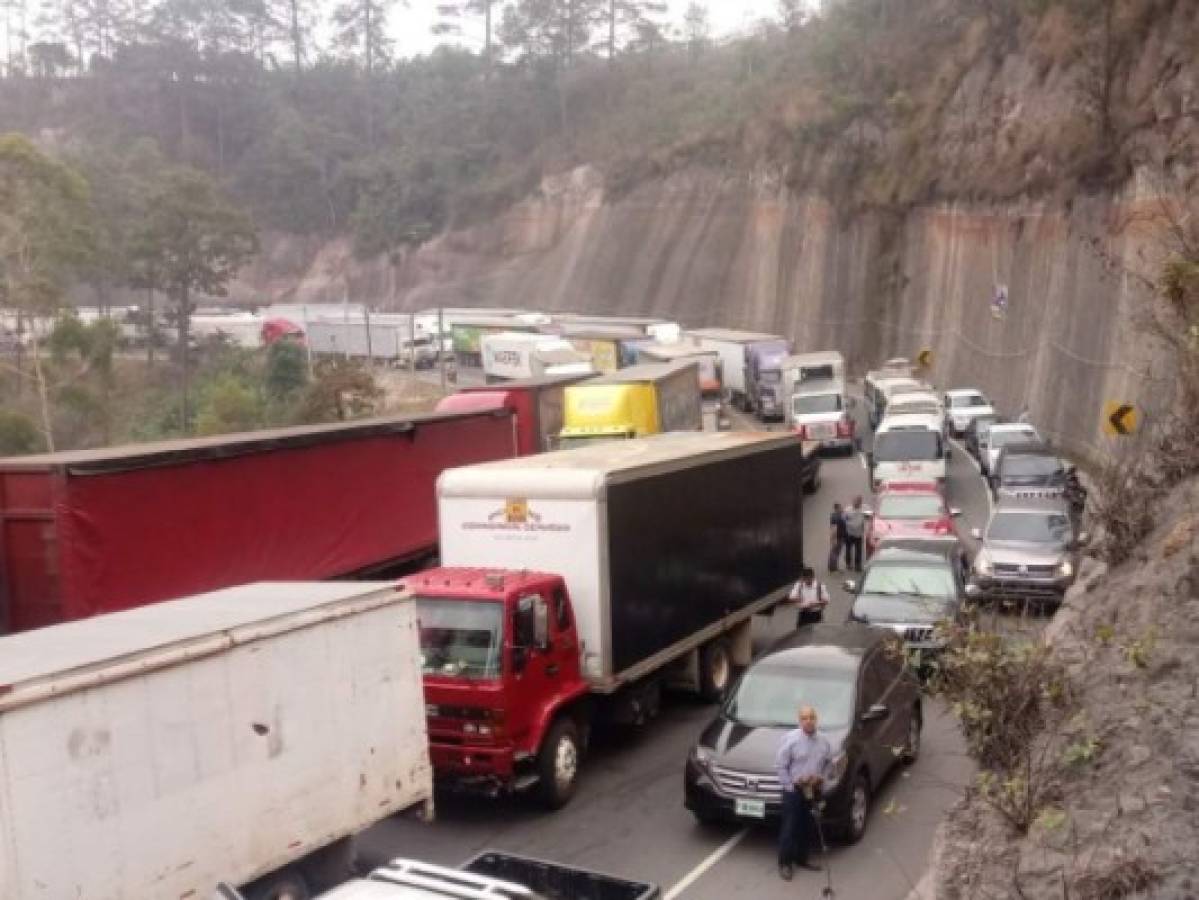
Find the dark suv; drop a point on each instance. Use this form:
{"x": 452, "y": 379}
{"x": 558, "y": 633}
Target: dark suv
{"x": 1028, "y": 472}
{"x": 868, "y": 704}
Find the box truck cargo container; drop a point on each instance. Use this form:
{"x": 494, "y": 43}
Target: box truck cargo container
{"x": 577, "y": 584}
{"x": 711, "y": 383}
{"x": 634, "y": 402}
{"x": 467, "y": 333}
{"x": 610, "y": 347}
{"x": 244, "y": 736}
{"x": 100, "y": 530}
{"x": 538, "y": 405}
{"x": 513, "y": 355}
{"x": 750, "y": 361}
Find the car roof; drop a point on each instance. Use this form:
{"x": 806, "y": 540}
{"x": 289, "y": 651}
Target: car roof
{"x": 942, "y": 546}
{"x": 1032, "y": 505}
{"x": 910, "y": 553}
{"x": 963, "y": 392}
{"x": 824, "y": 647}
{"x": 1030, "y": 448}
{"x": 910, "y": 420}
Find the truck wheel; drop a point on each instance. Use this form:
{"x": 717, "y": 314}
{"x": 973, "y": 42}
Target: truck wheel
{"x": 715, "y": 670}
{"x": 287, "y": 885}
{"x": 558, "y": 764}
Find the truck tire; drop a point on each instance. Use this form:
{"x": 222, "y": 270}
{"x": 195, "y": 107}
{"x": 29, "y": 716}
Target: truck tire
{"x": 286, "y": 885}
{"x": 558, "y": 763}
{"x": 715, "y": 670}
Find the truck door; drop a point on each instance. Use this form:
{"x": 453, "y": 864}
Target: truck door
{"x": 534, "y": 670}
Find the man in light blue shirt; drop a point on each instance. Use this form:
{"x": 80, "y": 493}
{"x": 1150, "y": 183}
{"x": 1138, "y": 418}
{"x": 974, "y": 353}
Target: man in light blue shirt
{"x": 802, "y": 763}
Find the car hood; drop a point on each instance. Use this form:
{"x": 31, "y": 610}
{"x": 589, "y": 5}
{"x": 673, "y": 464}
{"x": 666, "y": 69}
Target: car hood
{"x": 1027, "y": 552}
{"x": 752, "y": 749}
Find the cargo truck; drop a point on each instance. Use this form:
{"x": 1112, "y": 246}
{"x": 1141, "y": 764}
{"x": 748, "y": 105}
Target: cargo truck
{"x": 711, "y": 385}
{"x": 634, "y": 402}
{"x": 610, "y": 347}
{"x": 751, "y": 363}
{"x": 537, "y": 406}
{"x": 575, "y": 585}
{"x": 512, "y": 355}
{"x": 244, "y": 735}
{"x": 101, "y": 530}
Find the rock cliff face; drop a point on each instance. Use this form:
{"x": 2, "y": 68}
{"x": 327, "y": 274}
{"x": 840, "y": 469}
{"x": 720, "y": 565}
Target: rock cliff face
{"x": 711, "y": 248}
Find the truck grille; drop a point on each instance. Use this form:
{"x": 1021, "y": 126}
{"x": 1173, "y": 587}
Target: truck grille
{"x": 1009, "y": 570}
{"x": 751, "y": 785}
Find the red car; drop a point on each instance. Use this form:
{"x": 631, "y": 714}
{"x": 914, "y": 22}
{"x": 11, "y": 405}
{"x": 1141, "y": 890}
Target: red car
{"x": 911, "y": 511}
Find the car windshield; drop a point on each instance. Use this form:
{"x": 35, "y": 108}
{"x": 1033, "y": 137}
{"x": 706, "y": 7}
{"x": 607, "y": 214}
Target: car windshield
{"x": 914, "y": 506}
{"x": 807, "y": 404}
{"x": 967, "y": 400}
{"x": 768, "y": 697}
{"x": 915, "y": 580}
{"x": 1003, "y": 438}
{"x": 898, "y": 446}
{"x": 1028, "y": 465}
{"x": 1037, "y": 527}
{"x": 460, "y": 638}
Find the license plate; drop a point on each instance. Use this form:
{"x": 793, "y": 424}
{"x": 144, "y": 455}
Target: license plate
{"x": 751, "y": 809}
{"x": 822, "y": 431}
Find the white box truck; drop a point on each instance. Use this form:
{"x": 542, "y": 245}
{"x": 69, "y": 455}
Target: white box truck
{"x": 514, "y": 355}
{"x": 241, "y": 736}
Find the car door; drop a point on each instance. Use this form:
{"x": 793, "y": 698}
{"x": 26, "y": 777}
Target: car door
{"x": 871, "y": 689}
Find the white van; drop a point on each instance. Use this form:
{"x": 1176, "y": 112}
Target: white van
{"x": 908, "y": 448}
{"x": 819, "y": 410}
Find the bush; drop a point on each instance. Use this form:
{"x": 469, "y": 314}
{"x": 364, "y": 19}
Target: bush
{"x": 18, "y": 434}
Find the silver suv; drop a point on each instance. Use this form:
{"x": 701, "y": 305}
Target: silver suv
{"x": 1030, "y": 551}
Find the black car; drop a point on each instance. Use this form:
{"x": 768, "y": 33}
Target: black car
{"x": 976, "y": 429}
{"x": 868, "y": 704}
{"x": 909, "y": 586}
{"x": 1029, "y": 471}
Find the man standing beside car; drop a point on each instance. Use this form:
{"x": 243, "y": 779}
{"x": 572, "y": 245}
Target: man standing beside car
{"x": 809, "y": 597}
{"x": 802, "y": 761}
{"x": 855, "y": 530}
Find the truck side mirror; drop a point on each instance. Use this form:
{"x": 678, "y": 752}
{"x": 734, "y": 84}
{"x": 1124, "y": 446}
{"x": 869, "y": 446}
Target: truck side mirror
{"x": 525, "y": 635}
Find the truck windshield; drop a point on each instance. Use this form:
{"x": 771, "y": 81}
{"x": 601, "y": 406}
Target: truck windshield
{"x": 900, "y": 446}
{"x": 461, "y": 638}
{"x": 808, "y": 404}
{"x": 768, "y": 696}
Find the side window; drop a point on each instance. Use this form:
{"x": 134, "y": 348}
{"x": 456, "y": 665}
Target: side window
{"x": 561, "y": 611}
{"x": 872, "y": 684}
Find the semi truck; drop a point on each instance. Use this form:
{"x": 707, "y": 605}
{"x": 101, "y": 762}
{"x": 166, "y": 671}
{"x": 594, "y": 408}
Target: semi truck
{"x": 751, "y": 363}
{"x": 633, "y": 402}
{"x": 575, "y": 585}
{"x": 514, "y": 355}
{"x": 536, "y": 404}
{"x": 244, "y": 736}
{"x": 96, "y": 531}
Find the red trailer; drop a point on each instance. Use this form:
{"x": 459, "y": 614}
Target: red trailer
{"x": 102, "y": 530}
{"x": 536, "y": 402}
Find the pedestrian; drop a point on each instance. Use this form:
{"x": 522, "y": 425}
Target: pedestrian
{"x": 802, "y": 763}
{"x": 836, "y": 536}
{"x": 809, "y": 597}
{"x": 855, "y": 530}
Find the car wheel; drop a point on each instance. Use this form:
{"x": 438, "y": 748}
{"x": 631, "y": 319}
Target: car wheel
{"x": 558, "y": 764}
{"x": 859, "y": 809}
{"x": 715, "y": 670}
{"x": 911, "y": 750}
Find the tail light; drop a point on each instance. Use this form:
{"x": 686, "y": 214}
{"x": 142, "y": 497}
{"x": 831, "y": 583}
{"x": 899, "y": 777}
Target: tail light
{"x": 801, "y": 432}
{"x": 844, "y": 428}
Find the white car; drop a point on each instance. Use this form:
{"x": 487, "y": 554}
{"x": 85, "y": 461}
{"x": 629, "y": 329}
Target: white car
{"x": 965, "y": 404}
{"x": 908, "y": 449}
{"x": 999, "y": 436}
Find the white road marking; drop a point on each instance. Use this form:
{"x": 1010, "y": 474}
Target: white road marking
{"x": 716, "y": 856}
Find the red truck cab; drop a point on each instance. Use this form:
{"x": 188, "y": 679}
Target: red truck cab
{"x": 500, "y": 659}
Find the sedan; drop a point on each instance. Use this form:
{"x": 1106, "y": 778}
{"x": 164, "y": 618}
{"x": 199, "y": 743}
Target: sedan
{"x": 908, "y": 510}
{"x": 1000, "y": 435}
{"x": 975, "y": 435}
{"x": 868, "y": 704}
{"x": 964, "y": 404}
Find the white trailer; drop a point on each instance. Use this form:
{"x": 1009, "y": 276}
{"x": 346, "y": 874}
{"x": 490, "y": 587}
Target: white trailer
{"x": 519, "y": 355}
{"x": 732, "y": 346}
{"x": 240, "y": 329}
{"x": 241, "y": 736}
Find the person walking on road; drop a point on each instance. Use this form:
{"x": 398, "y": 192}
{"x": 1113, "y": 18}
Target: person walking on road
{"x": 802, "y": 763}
{"x": 855, "y": 530}
{"x": 836, "y": 536}
{"x": 809, "y": 597}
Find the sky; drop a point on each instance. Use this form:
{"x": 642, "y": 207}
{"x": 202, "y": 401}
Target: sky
{"x": 412, "y": 27}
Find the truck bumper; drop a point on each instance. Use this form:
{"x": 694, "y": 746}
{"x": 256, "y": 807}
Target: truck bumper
{"x": 464, "y": 767}
{"x": 998, "y": 589}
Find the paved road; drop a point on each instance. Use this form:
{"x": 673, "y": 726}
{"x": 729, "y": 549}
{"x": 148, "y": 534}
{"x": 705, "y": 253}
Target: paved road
{"x": 628, "y": 817}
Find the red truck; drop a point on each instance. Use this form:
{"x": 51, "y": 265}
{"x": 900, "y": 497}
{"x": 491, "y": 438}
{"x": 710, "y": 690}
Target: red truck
{"x": 536, "y": 403}
{"x": 576, "y": 585}
{"x": 102, "y": 530}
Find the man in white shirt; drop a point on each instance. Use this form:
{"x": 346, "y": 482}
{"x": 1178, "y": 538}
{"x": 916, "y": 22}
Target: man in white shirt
{"x": 809, "y": 597}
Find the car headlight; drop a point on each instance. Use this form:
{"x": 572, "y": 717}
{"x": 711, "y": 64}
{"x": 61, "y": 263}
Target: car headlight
{"x": 1066, "y": 569}
{"x": 837, "y": 770}
{"x": 983, "y": 564}
{"x": 701, "y": 754}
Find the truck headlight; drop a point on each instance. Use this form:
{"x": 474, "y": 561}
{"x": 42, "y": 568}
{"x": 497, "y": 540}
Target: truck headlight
{"x": 837, "y": 768}
{"x": 1066, "y": 569}
{"x": 983, "y": 564}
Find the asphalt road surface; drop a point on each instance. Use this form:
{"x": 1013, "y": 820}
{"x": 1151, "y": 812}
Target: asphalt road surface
{"x": 628, "y": 817}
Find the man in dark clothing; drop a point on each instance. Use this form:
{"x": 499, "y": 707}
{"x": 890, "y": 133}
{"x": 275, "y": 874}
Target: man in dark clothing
{"x": 836, "y": 536}
{"x": 855, "y": 530}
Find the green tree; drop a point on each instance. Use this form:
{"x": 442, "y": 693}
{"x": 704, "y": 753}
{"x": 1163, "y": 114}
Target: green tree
{"x": 228, "y": 404}
{"x": 45, "y": 238}
{"x": 18, "y": 434}
{"x": 342, "y": 390}
{"x": 192, "y": 240}
{"x": 286, "y": 372}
